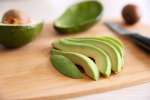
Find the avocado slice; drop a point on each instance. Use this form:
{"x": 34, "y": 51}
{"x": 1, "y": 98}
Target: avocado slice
{"x": 79, "y": 17}
{"x": 117, "y": 41}
{"x": 111, "y": 40}
{"x": 117, "y": 44}
{"x": 66, "y": 66}
{"x": 102, "y": 60}
{"x": 114, "y": 43}
{"x": 14, "y": 35}
{"x": 113, "y": 53}
{"x": 86, "y": 63}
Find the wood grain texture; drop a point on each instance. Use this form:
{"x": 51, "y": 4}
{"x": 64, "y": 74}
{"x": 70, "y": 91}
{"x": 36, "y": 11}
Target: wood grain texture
{"x": 26, "y": 73}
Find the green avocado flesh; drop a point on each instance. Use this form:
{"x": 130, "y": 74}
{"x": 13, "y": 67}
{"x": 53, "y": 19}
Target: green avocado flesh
{"x": 66, "y": 66}
{"x": 117, "y": 41}
{"x": 102, "y": 60}
{"x": 113, "y": 53}
{"x": 79, "y": 17}
{"x": 13, "y": 36}
{"x": 111, "y": 40}
{"x": 115, "y": 44}
{"x": 95, "y": 54}
{"x": 88, "y": 65}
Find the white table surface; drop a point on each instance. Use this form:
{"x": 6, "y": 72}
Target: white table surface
{"x": 51, "y": 9}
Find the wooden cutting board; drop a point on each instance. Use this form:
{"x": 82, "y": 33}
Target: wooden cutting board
{"x": 26, "y": 73}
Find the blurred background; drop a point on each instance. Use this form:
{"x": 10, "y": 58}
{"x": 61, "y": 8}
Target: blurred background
{"x": 51, "y": 9}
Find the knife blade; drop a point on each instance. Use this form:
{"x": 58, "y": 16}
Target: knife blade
{"x": 141, "y": 41}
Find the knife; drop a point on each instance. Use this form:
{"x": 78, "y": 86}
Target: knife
{"x": 140, "y": 40}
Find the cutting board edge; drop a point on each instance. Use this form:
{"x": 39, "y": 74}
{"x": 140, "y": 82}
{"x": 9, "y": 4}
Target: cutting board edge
{"x": 89, "y": 92}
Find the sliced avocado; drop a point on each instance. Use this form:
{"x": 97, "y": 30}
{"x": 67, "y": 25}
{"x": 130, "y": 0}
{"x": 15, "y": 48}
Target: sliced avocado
{"x": 79, "y": 17}
{"x": 117, "y": 41}
{"x": 65, "y": 66}
{"x": 113, "y": 53}
{"x": 14, "y": 35}
{"x": 88, "y": 65}
{"x": 101, "y": 58}
{"x": 117, "y": 44}
{"x": 113, "y": 41}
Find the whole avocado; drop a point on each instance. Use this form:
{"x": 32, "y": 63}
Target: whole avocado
{"x": 131, "y": 14}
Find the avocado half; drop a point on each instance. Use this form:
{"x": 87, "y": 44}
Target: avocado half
{"x": 79, "y": 17}
{"x": 14, "y": 35}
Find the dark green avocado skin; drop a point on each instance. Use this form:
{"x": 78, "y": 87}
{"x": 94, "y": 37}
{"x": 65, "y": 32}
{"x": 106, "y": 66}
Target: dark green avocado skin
{"x": 79, "y": 17}
{"x": 17, "y": 36}
{"x": 76, "y": 29}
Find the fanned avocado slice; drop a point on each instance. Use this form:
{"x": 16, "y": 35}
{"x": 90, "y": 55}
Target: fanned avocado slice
{"x": 111, "y": 40}
{"x": 102, "y": 60}
{"x": 113, "y": 53}
{"x": 117, "y": 41}
{"x": 65, "y": 66}
{"x": 114, "y": 42}
{"x": 14, "y": 35}
{"x": 86, "y": 63}
{"x": 79, "y": 17}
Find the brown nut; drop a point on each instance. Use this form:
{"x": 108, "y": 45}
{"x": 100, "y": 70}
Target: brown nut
{"x": 14, "y": 16}
{"x": 131, "y": 14}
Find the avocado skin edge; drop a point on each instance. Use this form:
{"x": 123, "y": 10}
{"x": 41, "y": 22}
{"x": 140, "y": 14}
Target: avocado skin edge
{"x": 65, "y": 66}
{"x": 17, "y": 36}
{"x": 83, "y": 25}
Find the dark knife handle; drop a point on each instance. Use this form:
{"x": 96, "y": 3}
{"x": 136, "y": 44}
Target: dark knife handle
{"x": 141, "y": 41}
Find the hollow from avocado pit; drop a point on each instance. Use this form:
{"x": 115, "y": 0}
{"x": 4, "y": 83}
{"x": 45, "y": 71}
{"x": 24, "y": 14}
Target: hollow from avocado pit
{"x": 79, "y": 17}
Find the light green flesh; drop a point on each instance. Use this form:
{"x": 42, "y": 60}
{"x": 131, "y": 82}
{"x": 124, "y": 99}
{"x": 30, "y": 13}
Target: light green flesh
{"x": 65, "y": 66}
{"x": 117, "y": 41}
{"x": 32, "y": 24}
{"x": 88, "y": 65}
{"x": 102, "y": 60}
{"x": 79, "y": 16}
{"x": 113, "y": 41}
{"x": 116, "y": 45}
{"x": 113, "y": 53}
